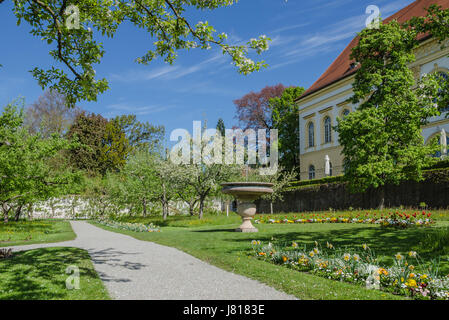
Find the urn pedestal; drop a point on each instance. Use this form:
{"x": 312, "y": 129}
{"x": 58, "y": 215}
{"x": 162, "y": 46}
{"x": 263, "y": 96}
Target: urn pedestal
{"x": 246, "y": 193}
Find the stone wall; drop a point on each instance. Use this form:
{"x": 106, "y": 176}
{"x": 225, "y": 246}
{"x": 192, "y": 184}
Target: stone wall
{"x": 337, "y": 196}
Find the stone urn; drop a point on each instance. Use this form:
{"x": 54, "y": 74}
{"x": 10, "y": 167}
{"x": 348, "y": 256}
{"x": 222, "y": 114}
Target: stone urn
{"x": 246, "y": 193}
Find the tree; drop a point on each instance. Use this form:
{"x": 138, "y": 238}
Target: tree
{"x": 103, "y": 144}
{"x": 66, "y": 26}
{"x": 381, "y": 140}
{"x": 90, "y": 131}
{"x": 26, "y": 173}
{"x": 140, "y": 135}
{"x": 49, "y": 114}
{"x": 254, "y": 110}
{"x": 221, "y": 127}
{"x": 285, "y": 120}
{"x": 115, "y": 148}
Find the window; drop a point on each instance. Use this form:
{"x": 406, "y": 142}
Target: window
{"x": 311, "y": 129}
{"x": 345, "y": 113}
{"x": 330, "y": 169}
{"x": 444, "y": 77}
{"x": 311, "y": 172}
{"x": 327, "y": 130}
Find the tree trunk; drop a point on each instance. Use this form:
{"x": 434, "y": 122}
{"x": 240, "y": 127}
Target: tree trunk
{"x": 5, "y": 213}
{"x": 144, "y": 204}
{"x": 191, "y": 209}
{"x": 30, "y": 211}
{"x": 271, "y": 207}
{"x": 164, "y": 210}
{"x": 18, "y": 213}
{"x": 201, "y": 208}
{"x": 381, "y": 197}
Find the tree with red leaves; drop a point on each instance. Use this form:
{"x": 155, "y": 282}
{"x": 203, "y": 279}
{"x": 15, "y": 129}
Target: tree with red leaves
{"x": 254, "y": 110}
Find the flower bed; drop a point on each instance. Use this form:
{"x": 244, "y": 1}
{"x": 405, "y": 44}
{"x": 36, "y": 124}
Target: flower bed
{"x": 136, "y": 227}
{"x": 392, "y": 219}
{"x": 360, "y": 267}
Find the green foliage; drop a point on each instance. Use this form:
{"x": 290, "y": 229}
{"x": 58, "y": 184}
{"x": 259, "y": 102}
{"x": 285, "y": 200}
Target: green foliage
{"x": 382, "y": 140}
{"x": 140, "y": 135}
{"x": 115, "y": 147}
{"x": 103, "y": 144}
{"x": 26, "y": 171}
{"x": 75, "y": 48}
{"x": 285, "y": 120}
{"x": 89, "y": 130}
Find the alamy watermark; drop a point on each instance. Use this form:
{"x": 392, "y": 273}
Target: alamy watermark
{"x": 209, "y": 147}
{"x": 373, "y": 20}
{"x": 72, "y": 281}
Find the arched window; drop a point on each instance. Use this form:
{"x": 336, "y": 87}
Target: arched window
{"x": 330, "y": 169}
{"x": 444, "y": 77}
{"x": 311, "y": 172}
{"x": 327, "y": 130}
{"x": 345, "y": 113}
{"x": 311, "y": 130}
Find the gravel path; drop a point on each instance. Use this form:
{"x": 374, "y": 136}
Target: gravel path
{"x": 135, "y": 269}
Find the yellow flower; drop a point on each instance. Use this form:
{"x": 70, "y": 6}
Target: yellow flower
{"x": 411, "y": 267}
{"x": 311, "y": 254}
{"x": 412, "y": 254}
{"x": 424, "y": 277}
{"x": 262, "y": 254}
{"x": 316, "y": 250}
{"x": 294, "y": 245}
{"x": 398, "y": 256}
{"x": 364, "y": 246}
{"x": 402, "y": 279}
{"x": 411, "y": 275}
{"x": 356, "y": 257}
{"x": 284, "y": 258}
{"x": 411, "y": 283}
{"x": 347, "y": 257}
{"x": 382, "y": 271}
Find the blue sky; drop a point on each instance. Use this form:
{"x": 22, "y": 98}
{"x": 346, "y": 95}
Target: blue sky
{"x": 307, "y": 36}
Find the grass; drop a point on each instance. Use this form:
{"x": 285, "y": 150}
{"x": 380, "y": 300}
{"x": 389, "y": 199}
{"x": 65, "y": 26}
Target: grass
{"x": 40, "y": 274}
{"x": 36, "y": 231}
{"x": 216, "y": 243}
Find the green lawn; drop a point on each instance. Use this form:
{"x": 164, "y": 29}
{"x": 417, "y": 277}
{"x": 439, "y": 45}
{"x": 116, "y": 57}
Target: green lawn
{"x": 41, "y": 274}
{"x": 37, "y": 231}
{"x": 217, "y": 244}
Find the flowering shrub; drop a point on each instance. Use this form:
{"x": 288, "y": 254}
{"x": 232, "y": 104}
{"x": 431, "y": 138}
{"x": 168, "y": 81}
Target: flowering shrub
{"x": 393, "y": 219}
{"x": 360, "y": 267}
{"x": 136, "y": 227}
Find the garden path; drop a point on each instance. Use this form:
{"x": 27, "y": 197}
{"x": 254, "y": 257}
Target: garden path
{"x": 135, "y": 269}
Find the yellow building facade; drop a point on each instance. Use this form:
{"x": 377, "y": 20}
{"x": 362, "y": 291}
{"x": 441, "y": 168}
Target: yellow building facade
{"x": 322, "y": 104}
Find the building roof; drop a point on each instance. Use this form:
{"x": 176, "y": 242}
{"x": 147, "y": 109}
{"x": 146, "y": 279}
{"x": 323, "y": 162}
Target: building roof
{"x": 343, "y": 67}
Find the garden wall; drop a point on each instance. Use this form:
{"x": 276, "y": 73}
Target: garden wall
{"x": 434, "y": 192}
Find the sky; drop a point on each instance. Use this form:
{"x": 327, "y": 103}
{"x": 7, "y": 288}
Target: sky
{"x": 307, "y": 35}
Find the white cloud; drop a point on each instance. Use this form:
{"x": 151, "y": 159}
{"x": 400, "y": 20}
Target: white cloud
{"x": 121, "y": 108}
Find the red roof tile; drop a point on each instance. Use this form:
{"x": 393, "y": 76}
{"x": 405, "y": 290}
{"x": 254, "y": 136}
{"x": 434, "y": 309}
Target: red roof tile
{"x": 341, "y": 67}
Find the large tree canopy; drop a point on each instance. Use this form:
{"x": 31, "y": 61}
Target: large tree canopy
{"x": 382, "y": 140}
{"x": 254, "y": 110}
{"x": 70, "y": 26}
{"x": 285, "y": 120}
